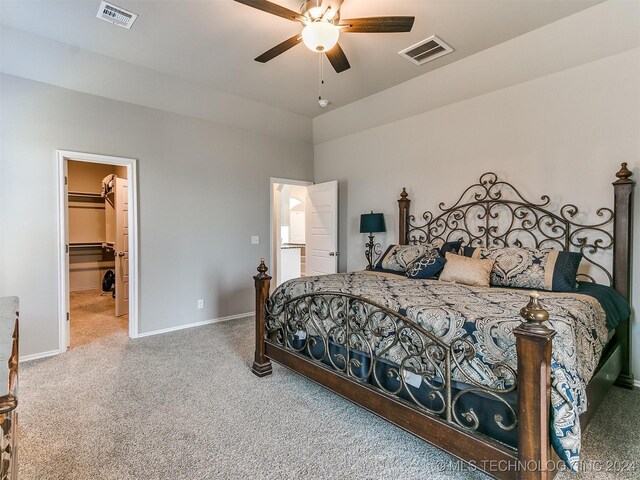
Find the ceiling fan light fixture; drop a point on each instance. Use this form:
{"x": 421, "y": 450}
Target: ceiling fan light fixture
{"x": 315, "y": 12}
{"x": 320, "y": 36}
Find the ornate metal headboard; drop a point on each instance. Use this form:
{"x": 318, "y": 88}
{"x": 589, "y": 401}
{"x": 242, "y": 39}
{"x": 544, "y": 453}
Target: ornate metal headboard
{"x": 493, "y": 213}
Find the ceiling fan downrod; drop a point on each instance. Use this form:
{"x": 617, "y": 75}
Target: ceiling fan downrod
{"x": 314, "y": 11}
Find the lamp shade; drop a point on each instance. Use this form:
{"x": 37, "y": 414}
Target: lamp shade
{"x": 320, "y": 36}
{"x": 372, "y": 223}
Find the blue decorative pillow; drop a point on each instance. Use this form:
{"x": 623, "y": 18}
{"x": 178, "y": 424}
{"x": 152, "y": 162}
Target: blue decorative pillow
{"x": 468, "y": 251}
{"x": 427, "y": 266}
{"x": 540, "y": 269}
{"x": 452, "y": 247}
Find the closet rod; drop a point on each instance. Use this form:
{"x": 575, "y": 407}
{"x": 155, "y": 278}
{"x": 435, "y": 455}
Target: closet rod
{"x": 85, "y": 194}
{"x": 91, "y": 244}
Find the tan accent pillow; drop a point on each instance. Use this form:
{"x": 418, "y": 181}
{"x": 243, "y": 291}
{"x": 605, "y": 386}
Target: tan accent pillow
{"x": 466, "y": 270}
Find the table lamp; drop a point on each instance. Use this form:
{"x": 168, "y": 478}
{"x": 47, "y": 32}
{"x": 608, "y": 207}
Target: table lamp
{"x": 372, "y": 223}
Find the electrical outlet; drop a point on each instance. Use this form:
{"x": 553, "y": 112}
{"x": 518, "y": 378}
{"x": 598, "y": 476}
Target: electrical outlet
{"x": 255, "y": 239}
{"x": 200, "y": 304}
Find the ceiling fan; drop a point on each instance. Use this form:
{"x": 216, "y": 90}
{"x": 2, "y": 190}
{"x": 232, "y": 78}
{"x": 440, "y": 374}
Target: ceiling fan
{"x": 322, "y": 28}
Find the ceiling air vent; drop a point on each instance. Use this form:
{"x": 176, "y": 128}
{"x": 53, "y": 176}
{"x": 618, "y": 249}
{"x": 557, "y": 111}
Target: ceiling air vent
{"x": 116, "y": 15}
{"x": 426, "y": 50}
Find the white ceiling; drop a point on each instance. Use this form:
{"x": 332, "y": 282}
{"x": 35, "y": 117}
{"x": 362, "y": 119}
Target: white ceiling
{"x": 213, "y": 42}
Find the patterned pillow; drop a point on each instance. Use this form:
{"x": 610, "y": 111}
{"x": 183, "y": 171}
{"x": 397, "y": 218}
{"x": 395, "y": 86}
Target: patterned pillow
{"x": 378, "y": 265}
{"x": 399, "y": 257}
{"x": 540, "y": 269}
{"x": 467, "y": 271}
{"x": 427, "y": 266}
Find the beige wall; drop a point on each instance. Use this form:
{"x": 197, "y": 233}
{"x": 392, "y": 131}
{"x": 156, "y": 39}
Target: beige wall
{"x": 87, "y": 267}
{"x": 203, "y": 191}
{"x": 87, "y": 177}
{"x": 121, "y": 171}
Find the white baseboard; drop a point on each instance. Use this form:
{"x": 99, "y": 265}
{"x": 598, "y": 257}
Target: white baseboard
{"x": 195, "y": 324}
{"x": 636, "y": 383}
{"x": 35, "y": 356}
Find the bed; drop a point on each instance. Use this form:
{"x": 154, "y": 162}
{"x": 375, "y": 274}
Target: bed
{"x": 475, "y": 371}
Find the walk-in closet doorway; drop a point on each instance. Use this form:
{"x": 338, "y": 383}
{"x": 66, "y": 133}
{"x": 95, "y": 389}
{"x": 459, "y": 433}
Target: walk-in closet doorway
{"x": 97, "y": 218}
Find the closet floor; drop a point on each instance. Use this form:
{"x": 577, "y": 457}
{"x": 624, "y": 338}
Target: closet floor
{"x": 93, "y": 317}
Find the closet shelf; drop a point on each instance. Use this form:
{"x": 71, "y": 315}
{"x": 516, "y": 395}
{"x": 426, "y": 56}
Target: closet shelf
{"x": 85, "y": 194}
{"x": 91, "y": 245}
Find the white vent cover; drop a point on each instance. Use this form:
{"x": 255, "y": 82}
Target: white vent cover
{"x": 116, "y": 15}
{"x": 426, "y": 50}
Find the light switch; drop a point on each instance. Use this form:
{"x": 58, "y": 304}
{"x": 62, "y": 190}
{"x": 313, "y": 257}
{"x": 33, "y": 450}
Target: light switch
{"x": 255, "y": 239}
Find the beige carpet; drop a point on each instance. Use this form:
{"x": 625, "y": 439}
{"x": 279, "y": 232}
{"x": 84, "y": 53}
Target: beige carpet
{"x": 184, "y": 405}
{"x": 92, "y": 316}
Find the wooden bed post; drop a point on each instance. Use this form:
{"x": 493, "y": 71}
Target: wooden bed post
{"x": 622, "y": 235}
{"x": 261, "y": 363}
{"x": 403, "y": 227}
{"x": 533, "y": 345}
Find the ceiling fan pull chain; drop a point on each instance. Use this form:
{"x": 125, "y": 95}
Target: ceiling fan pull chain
{"x": 322, "y": 102}
{"x": 321, "y": 83}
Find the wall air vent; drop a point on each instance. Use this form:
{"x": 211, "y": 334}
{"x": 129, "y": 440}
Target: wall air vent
{"x": 116, "y": 15}
{"x": 426, "y": 50}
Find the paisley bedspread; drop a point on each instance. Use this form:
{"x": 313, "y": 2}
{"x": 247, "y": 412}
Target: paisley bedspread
{"x": 487, "y": 316}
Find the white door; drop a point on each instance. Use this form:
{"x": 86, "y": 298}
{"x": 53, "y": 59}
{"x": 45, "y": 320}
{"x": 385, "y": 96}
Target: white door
{"x": 122, "y": 247}
{"x": 321, "y": 218}
{"x": 67, "y": 328}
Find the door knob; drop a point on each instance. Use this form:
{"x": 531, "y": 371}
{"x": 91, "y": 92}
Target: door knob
{"x": 333, "y": 254}
{"x": 121, "y": 254}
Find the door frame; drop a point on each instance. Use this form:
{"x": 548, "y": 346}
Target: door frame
{"x": 63, "y": 260}
{"x": 287, "y": 181}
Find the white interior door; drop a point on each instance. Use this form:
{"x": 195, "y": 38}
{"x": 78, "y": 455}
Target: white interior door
{"x": 321, "y": 218}
{"x": 122, "y": 247}
{"x": 65, "y": 213}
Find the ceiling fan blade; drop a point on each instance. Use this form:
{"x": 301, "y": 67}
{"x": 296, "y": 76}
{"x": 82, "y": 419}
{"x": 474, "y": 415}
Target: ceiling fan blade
{"x": 274, "y": 9}
{"x": 280, "y": 48}
{"x": 338, "y": 59}
{"x": 378, "y": 24}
